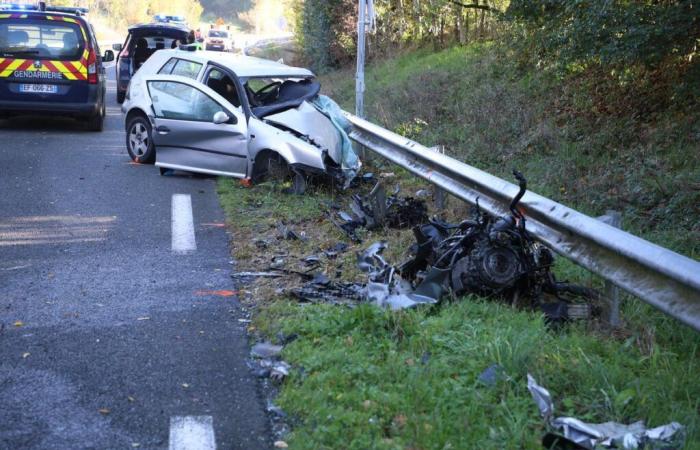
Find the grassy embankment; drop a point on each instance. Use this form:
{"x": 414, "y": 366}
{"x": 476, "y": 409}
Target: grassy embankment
{"x": 368, "y": 378}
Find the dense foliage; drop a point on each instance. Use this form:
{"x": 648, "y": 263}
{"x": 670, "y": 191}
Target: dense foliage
{"x": 632, "y": 38}
{"x": 327, "y": 30}
{"x": 611, "y": 32}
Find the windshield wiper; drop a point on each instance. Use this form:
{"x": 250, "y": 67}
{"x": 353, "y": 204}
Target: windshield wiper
{"x": 21, "y": 52}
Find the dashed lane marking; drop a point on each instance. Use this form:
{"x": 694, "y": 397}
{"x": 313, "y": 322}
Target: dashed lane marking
{"x": 183, "y": 240}
{"x": 192, "y": 433}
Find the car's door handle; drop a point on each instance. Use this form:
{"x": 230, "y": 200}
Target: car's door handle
{"x": 163, "y": 129}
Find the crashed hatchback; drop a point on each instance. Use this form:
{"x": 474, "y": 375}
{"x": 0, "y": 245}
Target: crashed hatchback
{"x": 236, "y": 116}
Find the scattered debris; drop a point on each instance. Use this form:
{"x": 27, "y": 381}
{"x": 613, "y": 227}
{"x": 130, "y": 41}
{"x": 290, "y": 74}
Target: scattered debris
{"x": 334, "y": 251}
{"x": 491, "y": 375}
{"x": 385, "y": 287}
{"x": 338, "y": 293}
{"x": 572, "y": 432}
{"x": 284, "y": 232}
{"x": 257, "y": 274}
{"x": 377, "y": 210}
{"x": 312, "y": 260}
{"x": 265, "y": 350}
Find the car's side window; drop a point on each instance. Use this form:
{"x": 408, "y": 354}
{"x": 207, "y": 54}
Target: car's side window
{"x": 221, "y": 83}
{"x": 186, "y": 68}
{"x": 178, "y": 101}
{"x": 168, "y": 67}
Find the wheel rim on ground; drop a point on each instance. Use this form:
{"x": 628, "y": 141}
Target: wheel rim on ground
{"x": 138, "y": 139}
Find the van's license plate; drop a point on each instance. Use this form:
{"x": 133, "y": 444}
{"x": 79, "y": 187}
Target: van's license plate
{"x": 39, "y": 88}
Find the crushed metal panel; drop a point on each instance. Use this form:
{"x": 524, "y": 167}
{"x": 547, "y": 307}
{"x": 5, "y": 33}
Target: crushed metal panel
{"x": 308, "y": 121}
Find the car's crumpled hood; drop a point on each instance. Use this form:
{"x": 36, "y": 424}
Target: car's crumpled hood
{"x": 308, "y": 121}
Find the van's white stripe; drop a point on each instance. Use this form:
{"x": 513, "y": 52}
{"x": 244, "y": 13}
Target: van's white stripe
{"x": 192, "y": 433}
{"x": 182, "y": 224}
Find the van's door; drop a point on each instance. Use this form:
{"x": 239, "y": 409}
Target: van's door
{"x": 43, "y": 58}
{"x": 196, "y": 129}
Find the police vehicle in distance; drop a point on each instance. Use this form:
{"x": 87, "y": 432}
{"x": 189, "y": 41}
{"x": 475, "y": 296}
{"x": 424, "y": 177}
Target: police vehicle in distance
{"x": 50, "y": 64}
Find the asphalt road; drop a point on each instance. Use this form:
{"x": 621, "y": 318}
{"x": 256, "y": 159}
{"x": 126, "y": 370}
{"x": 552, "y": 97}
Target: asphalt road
{"x": 106, "y": 333}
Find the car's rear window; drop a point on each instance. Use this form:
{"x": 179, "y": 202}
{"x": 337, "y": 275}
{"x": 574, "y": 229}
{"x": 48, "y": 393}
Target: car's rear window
{"x": 216, "y": 33}
{"x": 41, "y": 39}
{"x": 182, "y": 67}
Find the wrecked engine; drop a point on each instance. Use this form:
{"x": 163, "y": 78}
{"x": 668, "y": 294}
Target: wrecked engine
{"x": 493, "y": 257}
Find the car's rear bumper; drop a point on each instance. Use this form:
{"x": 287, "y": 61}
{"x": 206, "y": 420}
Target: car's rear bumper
{"x": 42, "y": 108}
{"x": 88, "y": 108}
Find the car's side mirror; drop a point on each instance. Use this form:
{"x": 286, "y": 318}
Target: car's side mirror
{"x": 108, "y": 56}
{"x": 221, "y": 117}
{"x": 117, "y": 47}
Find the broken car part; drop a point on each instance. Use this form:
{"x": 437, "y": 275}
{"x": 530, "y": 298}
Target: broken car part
{"x": 495, "y": 257}
{"x": 594, "y": 435}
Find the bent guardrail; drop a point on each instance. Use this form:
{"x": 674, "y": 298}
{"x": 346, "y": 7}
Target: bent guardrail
{"x": 656, "y": 275}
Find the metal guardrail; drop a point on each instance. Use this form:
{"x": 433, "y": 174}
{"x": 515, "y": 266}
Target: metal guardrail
{"x": 660, "y": 277}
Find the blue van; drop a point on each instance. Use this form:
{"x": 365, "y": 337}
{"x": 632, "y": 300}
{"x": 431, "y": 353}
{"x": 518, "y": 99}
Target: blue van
{"x": 50, "y": 64}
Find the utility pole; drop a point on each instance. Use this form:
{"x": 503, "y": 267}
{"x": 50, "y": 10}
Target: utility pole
{"x": 360, "y": 76}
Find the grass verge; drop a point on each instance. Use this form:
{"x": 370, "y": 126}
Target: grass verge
{"x": 369, "y": 378}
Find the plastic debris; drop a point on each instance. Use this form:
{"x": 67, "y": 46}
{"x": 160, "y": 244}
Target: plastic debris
{"x": 265, "y": 350}
{"x": 580, "y": 434}
{"x": 491, "y": 375}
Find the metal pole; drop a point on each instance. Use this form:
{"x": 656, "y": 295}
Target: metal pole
{"x": 612, "y": 292}
{"x": 360, "y": 77}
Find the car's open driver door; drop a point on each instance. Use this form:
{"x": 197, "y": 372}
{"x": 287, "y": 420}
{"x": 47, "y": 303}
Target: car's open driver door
{"x": 195, "y": 129}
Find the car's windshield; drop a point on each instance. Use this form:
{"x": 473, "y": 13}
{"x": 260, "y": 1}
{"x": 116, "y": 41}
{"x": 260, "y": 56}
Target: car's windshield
{"x": 217, "y": 33}
{"x": 41, "y": 39}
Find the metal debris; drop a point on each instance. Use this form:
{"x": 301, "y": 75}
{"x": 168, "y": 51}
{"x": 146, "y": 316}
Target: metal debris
{"x": 494, "y": 257}
{"x": 265, "y": 350}
{"x": 286, "y": 233}
{"x": 257, "y": 274}
{"x": 377, "y": 210}
{"x": 575, "y": 432}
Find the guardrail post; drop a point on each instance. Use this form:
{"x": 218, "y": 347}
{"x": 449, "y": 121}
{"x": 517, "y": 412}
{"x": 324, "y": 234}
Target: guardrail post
{"x": 612, "y": 292}
{"x": 440, "y": 196}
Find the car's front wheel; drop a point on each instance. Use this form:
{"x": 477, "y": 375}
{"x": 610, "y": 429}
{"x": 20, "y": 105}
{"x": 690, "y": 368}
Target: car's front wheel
{"x": 139, "y": 142}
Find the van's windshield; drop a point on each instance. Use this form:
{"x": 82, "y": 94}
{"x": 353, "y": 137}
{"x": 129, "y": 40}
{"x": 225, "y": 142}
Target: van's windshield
{"x": 41, "y": 39}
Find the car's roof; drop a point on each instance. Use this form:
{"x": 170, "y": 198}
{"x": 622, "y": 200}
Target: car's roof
{"x": 244, "y": 66}
{"x": 159, "y": 26}
{"x": 33, "y": 13}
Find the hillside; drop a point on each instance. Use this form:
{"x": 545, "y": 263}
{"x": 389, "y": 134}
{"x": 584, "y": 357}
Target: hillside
{"x": 583, "y": 140}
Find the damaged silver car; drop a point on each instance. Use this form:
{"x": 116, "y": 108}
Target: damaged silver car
{"x": 236, "y": 116}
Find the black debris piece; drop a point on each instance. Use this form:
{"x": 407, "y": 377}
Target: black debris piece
{"x": 334, "y": 251}
{"x": 286, "y": 233}
{"x": 377, "y": 210}
{"x": 337, "y": 293}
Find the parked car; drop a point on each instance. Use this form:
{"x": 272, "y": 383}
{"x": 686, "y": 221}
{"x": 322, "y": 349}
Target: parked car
{"x": 50, "y": 64}
{"x": 219, "y": 40}
{"x": 141, "y": 43}
{"x": 232, "y": 115}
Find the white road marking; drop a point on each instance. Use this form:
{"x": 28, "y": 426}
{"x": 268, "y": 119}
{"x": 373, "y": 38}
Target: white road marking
{"x": 192, "y": 433}
{"x": 183, "y": 240}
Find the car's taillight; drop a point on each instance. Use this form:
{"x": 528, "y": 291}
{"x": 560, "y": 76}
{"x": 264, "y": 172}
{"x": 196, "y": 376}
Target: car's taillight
{"x": 92, "y": 66}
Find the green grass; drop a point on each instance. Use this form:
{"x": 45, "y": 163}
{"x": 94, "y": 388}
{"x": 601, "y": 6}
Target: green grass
{"x": 368, "y": 378}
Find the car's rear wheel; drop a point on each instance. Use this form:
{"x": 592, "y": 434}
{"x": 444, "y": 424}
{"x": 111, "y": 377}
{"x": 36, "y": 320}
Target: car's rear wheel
{"x": 139, "y": 142}
{"x": 96, "y": 122}
{"x": 121, "y": 95}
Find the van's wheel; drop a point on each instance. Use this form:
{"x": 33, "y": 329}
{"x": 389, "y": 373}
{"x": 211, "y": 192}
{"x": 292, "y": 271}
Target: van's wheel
{"x": 139, "y": 142}
{"x": 97, "y": 122}
{"x": 121, "y": 95}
